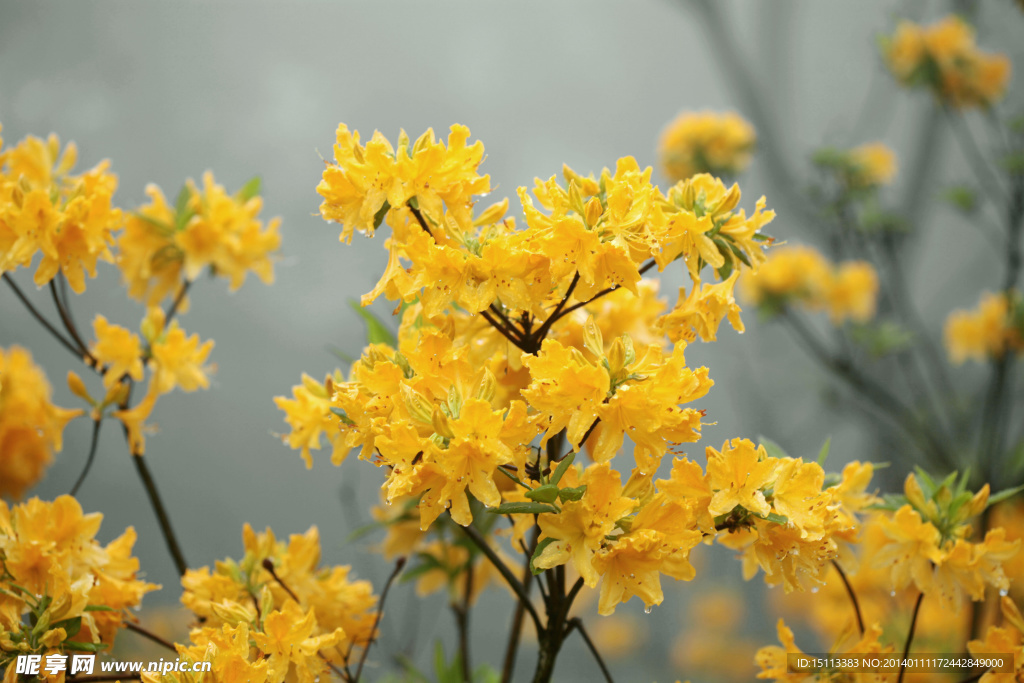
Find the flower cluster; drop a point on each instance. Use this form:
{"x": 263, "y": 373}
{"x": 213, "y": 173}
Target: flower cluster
{"x": 47, "y": 210}
{"x": 944, "y": 58}
{"x": 515, "y": 341}
{"x": 706, "y": 142}
{"x": 802, "y": 275}
{"x": 276, "y": 615}
{"x": 163, "y": 246}
{"x": 60, "y": 590}
{"x": 993, "y": 329}
{"x": 930, "y": 543}
{"x": 31, "y": 426}
{"x": 1007, "y": 639}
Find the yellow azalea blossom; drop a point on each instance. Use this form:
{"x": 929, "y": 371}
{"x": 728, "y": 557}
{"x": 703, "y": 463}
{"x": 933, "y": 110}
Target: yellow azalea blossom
{"x": 737, "y": 474}
{"x": 291, "y": 647}
{"x": 705, "y": 142}
{"x": 31, "y": 426}
{"x": 49, "y": 549}
{"x": 228, "y": 651}
{"x": 362, "y": 179}
{"x": 1003, "y": 640}
{"x": 913, "y": 549}
{"x": 870, "y": 165}
{"x": 986, "y": 332}
{"x": 309, "y": 415}
{"x": 944, "y": 58}
{"x": 323, "y": 603}
{"x": 118, "y": 349}
{"x": 163, "y": 247}
{"x": 702, "y": 311}
{"x": 134, "y": 420}
{"x": 579, "y": 530}
{"x": 178, "y": 360}
{"x": 852, "y": 292}
{"x": 45, "y": 209}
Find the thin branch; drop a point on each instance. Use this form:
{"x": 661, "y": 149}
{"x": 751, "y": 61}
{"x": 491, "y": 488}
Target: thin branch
{"x": 603, "y": 292}
{"x": 69, "y": 325}
{"x": 505, "y": 572}
{"x": 972, "y": 153}
{"x": 131, "y": 626}
{"x": 419, "y": 217}
{"x": 41, "y": 319}
{"x": 462, "y": 622}
{"x": 161, "y": 514}
{"x": 852, "y": 594}
{"x": 910, "y": 638}
{"x": 505, "y": 333}
{"x": 92, "y": 455}
{"x": 268, "y": 564}
{"x": 176, "y": 304}
{"x": 577, "y": 623}
{"x": 542, "y": 331}
{"x": 399, "y": 564}
{"x": 509, "y": 664}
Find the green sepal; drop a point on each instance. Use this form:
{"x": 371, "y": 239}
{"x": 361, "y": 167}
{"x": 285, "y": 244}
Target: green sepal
{"x": 376, "y": 331}
{"x": 523, "y": 509}
{"x": 556, "y": 476}
{"x": 547, "y": 493}
{"x": 250, "y": 189}
{"x": 568, "y": 494}
{"x": 378, "y": 217}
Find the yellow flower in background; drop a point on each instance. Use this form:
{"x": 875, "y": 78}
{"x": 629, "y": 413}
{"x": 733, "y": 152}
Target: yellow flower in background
{"x": 50, "y": 551}
{"x": 870, "y": 165}
{"x": 44, "y": 209}
{"x": 852, "y": 292}
{"x": 162, "y": 247}
{"x": 705, "y": 142}
{"x": 31, "y": 426}
{"x": 944, "y": 58}
{"x": 986, "y": 332}
{"x": 800, "y": 274}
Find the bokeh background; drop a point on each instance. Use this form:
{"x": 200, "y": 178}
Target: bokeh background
{"x": 169, "y": 90}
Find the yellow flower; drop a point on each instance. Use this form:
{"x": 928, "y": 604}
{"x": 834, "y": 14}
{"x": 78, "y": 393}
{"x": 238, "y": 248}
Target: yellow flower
{"x": 702, "y": 311}
{"x": 178, "y": 360}
{"x": 45, "y": 209}
{"x": 161, "y": 247}
{"x": 49, "y": 549}
{"x": 912, "y": 551}
{"x": 986, "y": 332}
{"x": 118, "y": 349}
{"x": 705, "y": 142}
{"x": 737, "y": 474}
{"x": 791, "y": 272}
{"x": 309, "y": 415}
{"x": 852, "y": 292}
{"x": 1003, "y": 640}
{"x": 134, "y": 420}
{"x": 944, "y": 58}
{"x": 870, "y": 165}
{"x": 31, "y": 426}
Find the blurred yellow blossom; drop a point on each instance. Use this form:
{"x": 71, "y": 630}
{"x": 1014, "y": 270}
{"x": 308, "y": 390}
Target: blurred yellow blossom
{"x": 705, "y": 142}
{"x": 31, "y": 426}
{"x": 989, "y": 331}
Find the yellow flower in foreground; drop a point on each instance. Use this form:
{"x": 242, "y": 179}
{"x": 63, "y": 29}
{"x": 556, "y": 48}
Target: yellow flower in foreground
{"x": 178, "y": 361}
{"x": 986, "y": 332}
{"x": 50, "y": 550}
{"x": 31, "y": 427}
{"x": 944, "y": 58}
{"x": 46, "y": 210}
{"x": 705, "y": 142}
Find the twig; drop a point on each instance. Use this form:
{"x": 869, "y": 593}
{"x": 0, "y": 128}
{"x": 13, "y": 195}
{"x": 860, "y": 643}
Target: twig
{"x": 969, "y": 147}
{"x": 131, "y": 626}
{"x": 268, "y": 564}
{"x": 542, "y": 331}
{"x": 376, "y": 620}
{"x": 505, "y": 572}
{"x": 176, "y": 304}
{"x": 462, "y": 622}
{"x": 509, "y": 665}
{"x": 577, "y": 623}
{"x": 41, "y": 319}
{"x": 910, "y": 638}
{"x": 161, "y": 514}
{"x": 500, "y": 328}
{"x": 852, "y": 594}
{"x": 92, "y": 455}
{"x": 603, "y": 292}
{"x": 69, "y": 325}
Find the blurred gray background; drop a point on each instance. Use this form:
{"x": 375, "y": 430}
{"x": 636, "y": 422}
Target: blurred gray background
{"x": 169, "y": 90}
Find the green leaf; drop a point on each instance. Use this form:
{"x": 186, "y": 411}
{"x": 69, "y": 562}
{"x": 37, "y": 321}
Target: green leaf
{"x": 250, "y": 189}
{"x": 71, "y": 626}
{"x": 1004, "y": 494}
{"x": 536, "y": 553}
{"x": 562, "y": 467}
{"x": 568, "y": 494}
{"x": 523, "y": 509}
{"x": 84, "y": 647}
{"x": 962, "y": 198}
{"x": 342, "y": 415}
{"x": 376, "y": 331}
{"x": 773, "y": 449}
{"x": 182, "y": 213}
{"x": 823, "y": 453}
{"x": 775, "y": 517}
{"x": 378, "y": 217}
{"x": 340, "y": 355}
{"x": 165, "y": 229}
{"x": 547, "y": 493}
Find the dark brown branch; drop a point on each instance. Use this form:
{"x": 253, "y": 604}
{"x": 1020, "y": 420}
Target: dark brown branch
{"x": 399, "y": 564}
{"x": 41, "y": 319}
{"x": 577, "y": 623}
{"x": 268, "y": 564}
{"x": 505, "y": 572}
{"x": 69, "y": 325}
{"x": 852, "y": 594}
{"x": 910, "y": 637}
{"x": 131, "y": 626}
{"x": 92, "y": 455}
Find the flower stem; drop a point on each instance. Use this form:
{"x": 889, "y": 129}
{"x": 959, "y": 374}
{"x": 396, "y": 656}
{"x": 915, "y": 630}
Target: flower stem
{"x": 131, "y": 626}
{"x": 516, "y": 631}
{"x": 852, "y": 594}
{"x": 42, "y": 320}
{"x": 910, "y": 638}
{"x": 92, "y": 455}
{"x": 577, "y": 623}
{"x": 505, "y": 572}
{"x": 161, "y": 514}
{"x": 399, "y": 564}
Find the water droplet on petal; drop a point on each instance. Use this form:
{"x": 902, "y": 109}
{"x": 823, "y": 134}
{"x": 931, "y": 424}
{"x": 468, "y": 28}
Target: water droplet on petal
{"x": 1003, "y": 592}
{"x": 647, "y": 610}
{"x": 892, "y": 593}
